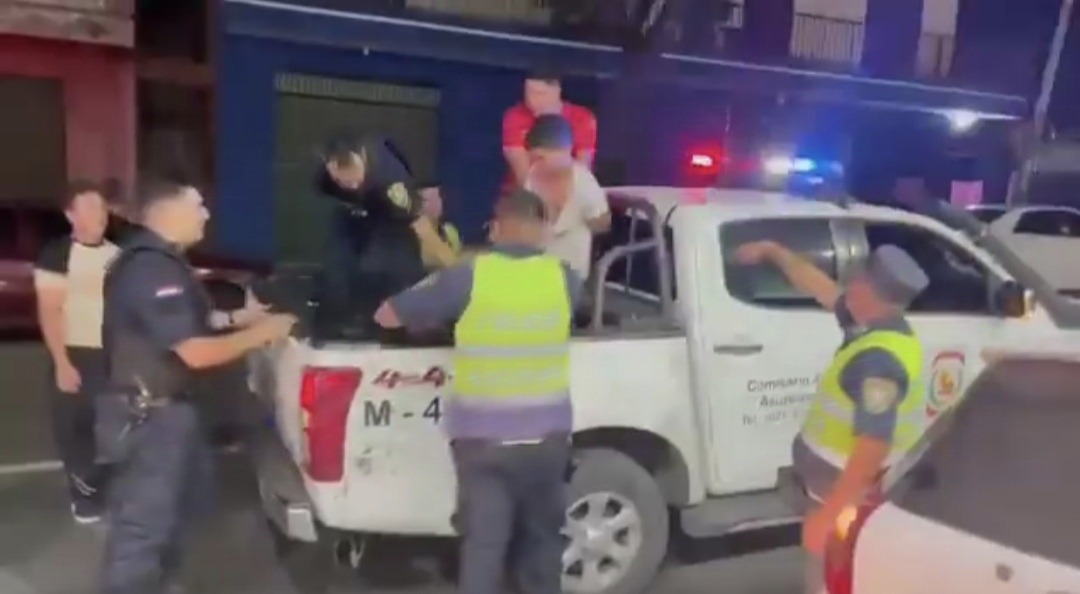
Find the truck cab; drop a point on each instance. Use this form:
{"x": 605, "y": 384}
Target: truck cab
{"x": 689, "y": 382}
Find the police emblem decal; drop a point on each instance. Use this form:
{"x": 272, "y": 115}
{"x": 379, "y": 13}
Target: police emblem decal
{"x": 399, "y": 195}
{"x": 879, "y": 394}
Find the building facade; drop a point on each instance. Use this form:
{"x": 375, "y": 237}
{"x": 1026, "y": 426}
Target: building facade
{"x": 437, "y": 75}
{"x": 67, "y": 94}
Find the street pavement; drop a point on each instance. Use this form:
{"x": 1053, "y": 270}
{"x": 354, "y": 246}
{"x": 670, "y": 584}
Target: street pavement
{"x": 43, "y": 552}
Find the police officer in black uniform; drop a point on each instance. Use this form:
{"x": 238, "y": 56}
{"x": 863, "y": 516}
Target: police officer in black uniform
{"x": 157, "y": 337}
{"x": 378, "y": 233}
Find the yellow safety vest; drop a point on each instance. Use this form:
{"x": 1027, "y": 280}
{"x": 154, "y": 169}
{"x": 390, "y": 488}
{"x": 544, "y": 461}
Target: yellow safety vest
{"x": 512, "y": 342}
{"x": 828, "y": 429}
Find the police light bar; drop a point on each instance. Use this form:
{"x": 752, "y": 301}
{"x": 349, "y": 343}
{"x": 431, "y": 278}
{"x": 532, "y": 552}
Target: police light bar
{"x": 782, "y": 166}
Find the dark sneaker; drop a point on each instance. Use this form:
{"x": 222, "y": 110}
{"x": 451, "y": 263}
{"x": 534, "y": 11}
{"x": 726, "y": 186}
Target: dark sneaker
{"x": 86, "y": 510}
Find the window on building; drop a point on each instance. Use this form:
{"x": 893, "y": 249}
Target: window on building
{"x": 959, "y": 284}
{"x": 764, "y": 284}
{"x": 172, "y": 29}
{"x": 175, "y": 132}
{"x": 1018, "y": 420}
{"x": 32, "y": 119}
{"x": 1054, "y": 223}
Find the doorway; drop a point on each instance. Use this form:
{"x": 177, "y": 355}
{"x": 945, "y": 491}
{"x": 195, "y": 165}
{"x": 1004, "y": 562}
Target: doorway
{"x": 309, "y": 110}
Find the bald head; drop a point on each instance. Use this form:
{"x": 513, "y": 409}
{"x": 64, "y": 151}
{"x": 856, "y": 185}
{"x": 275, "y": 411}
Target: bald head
{"x": 520, "y": 217}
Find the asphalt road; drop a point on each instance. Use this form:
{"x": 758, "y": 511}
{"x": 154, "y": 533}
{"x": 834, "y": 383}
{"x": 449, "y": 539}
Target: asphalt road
{"x": 43, "y": 552}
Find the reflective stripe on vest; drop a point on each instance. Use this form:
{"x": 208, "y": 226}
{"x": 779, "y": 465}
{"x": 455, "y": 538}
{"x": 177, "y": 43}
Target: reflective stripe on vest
{"x": 829, "y": 427}
{"x": 512, "y": 341}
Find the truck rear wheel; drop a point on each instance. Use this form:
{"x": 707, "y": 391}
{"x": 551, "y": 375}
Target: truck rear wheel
{"x": 616, "y": 525}
{"x": 319, "y": 567}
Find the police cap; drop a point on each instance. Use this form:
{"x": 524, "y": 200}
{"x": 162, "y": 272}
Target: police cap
{"x": 550, "y": 131}
{"x": 895, "y": 275}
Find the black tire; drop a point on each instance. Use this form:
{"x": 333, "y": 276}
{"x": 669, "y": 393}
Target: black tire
{"x": 603, "y": 472}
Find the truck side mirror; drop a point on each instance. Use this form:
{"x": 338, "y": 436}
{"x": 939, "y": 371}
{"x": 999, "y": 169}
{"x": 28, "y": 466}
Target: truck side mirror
{"x": 1010, "y": 300}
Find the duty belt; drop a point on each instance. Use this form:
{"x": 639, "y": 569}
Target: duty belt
{"x": 141, "y": 401}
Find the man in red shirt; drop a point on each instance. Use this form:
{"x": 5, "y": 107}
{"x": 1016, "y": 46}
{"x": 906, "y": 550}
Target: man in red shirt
{"x": 543, "y": 95}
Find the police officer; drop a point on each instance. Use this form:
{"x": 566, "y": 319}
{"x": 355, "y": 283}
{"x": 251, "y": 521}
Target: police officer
{"x": 157, "y": 337}
{"x": 509, "y": 419}
{"x": 869, "y": 409}
{"x": 378, "y": 232}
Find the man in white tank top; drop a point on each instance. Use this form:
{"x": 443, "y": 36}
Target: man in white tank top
{"x": 577, "y": 205}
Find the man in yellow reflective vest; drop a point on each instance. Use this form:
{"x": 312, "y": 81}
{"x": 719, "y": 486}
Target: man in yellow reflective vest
{"x": 868, "y": 411}
{"x": 509, "y": 418}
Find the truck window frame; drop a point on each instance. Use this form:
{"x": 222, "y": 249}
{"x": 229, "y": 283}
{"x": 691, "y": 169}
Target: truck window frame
{"x": 933, "y": 301}
{"x": 739, "y": 277}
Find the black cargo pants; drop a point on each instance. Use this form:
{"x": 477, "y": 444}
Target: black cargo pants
{"x": 163, "y": 480}
{"x": 359, "y": 273}
{"x": 73, "y": 418}
{"x": 511, "y": 493}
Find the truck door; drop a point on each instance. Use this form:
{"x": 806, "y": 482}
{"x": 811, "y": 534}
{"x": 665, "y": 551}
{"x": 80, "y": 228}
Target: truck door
{"x": 953, "y": 317}
{"x": 762, "y": 348}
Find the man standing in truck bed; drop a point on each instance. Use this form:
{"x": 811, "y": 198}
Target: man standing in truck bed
{"x": 378, "y": 233}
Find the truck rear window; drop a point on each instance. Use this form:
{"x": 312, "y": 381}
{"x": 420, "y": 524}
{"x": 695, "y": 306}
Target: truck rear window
{"x": 1005, "y": 467}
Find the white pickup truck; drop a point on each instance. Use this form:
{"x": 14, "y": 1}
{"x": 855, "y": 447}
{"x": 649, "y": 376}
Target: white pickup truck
{"x": 688, "y": 384}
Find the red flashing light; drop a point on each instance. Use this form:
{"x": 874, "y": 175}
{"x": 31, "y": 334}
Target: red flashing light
{"x": 840, "y": 548}
{"x": 703, "y": 164}
{"x": 702, "y": 161}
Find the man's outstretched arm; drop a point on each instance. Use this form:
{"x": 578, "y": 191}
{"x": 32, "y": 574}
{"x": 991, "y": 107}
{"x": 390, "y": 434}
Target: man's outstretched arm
{"x": 801, "y": 273}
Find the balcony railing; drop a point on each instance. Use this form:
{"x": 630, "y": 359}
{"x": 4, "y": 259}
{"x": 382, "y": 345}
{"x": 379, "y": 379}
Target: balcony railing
{"x": 935, "y": 55}
{"x": 521, "y": 12}
{"x": 106, "y": 22}
{"x": 823, "y": 39}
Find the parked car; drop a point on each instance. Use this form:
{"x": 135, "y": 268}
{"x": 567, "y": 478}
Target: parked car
{"x": 990, "y": 507}
{"x": 24, "y": 229}
{"x": 1041, "y": 235}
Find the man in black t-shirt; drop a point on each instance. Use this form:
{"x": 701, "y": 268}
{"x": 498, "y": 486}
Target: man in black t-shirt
{"x": 377, "y": 233}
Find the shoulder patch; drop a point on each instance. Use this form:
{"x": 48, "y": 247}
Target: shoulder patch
{"x": 879, "y": 394}
{"x": 399, "y": 195}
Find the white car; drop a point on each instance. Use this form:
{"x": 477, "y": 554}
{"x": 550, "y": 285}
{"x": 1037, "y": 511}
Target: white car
{"x": 989, "y": 508}
{"x": 1045, "y": 237}
{"x": 688, "y": 386}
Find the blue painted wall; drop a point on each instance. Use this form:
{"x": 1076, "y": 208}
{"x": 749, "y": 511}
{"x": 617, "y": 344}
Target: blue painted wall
{"x": 471, "y": 165}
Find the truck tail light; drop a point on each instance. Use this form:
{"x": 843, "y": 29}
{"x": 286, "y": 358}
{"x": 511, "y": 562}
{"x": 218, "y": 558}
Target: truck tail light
{"x": 326, "y": 394}
{"x": 840, "y": 549}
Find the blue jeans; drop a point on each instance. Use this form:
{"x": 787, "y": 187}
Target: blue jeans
{"x": 163, "y": 481}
